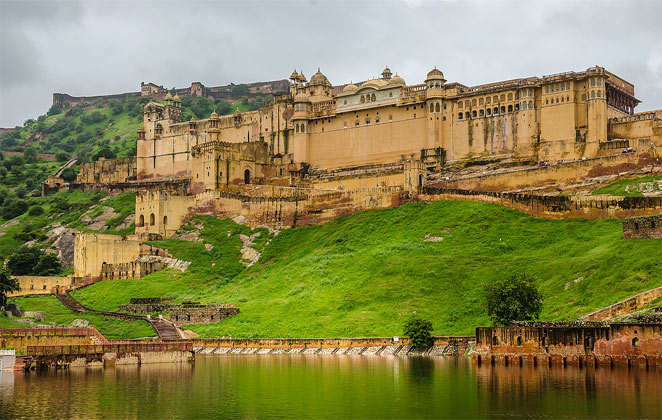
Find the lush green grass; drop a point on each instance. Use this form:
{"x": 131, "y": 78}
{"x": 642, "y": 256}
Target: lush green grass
{"x": 362, "y": 274}
{"x": 54, "y": 311}
{"x": 620, "y": 188}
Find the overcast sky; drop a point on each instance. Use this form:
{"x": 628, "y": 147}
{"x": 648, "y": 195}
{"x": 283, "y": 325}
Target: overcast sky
{"x": 101, "y": 47}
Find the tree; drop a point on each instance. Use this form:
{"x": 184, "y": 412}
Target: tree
{"x": 105, "y": 152}
{"x": 69, "y": 174}
{"x": 62, "y": 156}
{"x": 514, "y": 298}
{"x": 7, "y": 284}
{"x": 13, "y": 208}
{"x": 419, "y": 331}
{"x": 241, "y": 89}
{"x": 30, "y": 155}
{"x": 33, "y": 261}
{"x": 54, "y": 109}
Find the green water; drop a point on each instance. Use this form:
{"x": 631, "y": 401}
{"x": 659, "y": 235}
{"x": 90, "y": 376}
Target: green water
{"x": 260, "y": 386}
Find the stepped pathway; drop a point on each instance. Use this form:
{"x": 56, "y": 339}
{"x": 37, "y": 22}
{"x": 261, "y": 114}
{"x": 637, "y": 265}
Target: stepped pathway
{"x": 163, "y": 328}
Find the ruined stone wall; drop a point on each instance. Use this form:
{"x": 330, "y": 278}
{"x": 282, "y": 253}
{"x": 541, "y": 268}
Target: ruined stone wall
{"x": 63, "y": 98}
{"x": 621, "y": 344}
{"x": 553, "y": 207}
{"x": 298, "y": 343}
{"x": 643, "y": 227}
{"x": 108, "y": 171}
{"x": 561, "y": 173}
{"x": 624, "y": 306}
{"x": 43, "y": 285}
{"x": 20, "y": 338}
{"x": 93, "y": 250}
{"x": 185, "y": 315}
{"x": 641, "y": 126}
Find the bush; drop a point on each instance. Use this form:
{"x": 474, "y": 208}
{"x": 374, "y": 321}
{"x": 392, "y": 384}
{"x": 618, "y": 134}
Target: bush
{"x": 33, "y": 261}
{"x": 419, "y": 331}
{"x": 54, "y": 109}
{"x": 68, "y": 175}
{"x": 13, "y": 208}
{"x": 62, "y": 156}
{"x": 105, "y": 152}
{"x": 515, "y": 298}
{"x": 36, "y": 210}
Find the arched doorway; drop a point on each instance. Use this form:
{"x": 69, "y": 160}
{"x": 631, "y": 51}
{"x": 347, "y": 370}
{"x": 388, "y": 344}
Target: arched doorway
{"x": 421, "y": 180}
{"x": 165, "y": 221}
{"x": 247, "y": 176}
{"x": 141, "y": 222}
{"x": 151, "y": 219}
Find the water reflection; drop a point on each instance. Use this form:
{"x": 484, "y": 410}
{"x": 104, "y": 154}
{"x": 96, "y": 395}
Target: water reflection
{"x": 257, "y": 386}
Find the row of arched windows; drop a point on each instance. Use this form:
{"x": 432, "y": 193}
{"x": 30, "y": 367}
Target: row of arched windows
{"x": 152, "y": 220}
{"x": 300, "y": 128}
{"x": 487, "y": 100}
{"x": 557, "y": 87}
{"x": 491, "y": 112}
{"x": 435, "y": 85}
{"x": 368, "y": 98}
{"x": 435, "y": 107}
{"x": 552, "y": 100}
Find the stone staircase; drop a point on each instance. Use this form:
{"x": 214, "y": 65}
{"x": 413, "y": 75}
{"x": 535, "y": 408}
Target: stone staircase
{"x": 163, "y": 328}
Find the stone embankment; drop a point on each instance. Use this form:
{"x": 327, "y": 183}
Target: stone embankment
{"x": 370, "y": 346}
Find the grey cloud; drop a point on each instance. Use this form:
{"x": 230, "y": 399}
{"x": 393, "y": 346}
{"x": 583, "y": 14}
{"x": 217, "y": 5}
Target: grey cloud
{"x": 98, "y": 47}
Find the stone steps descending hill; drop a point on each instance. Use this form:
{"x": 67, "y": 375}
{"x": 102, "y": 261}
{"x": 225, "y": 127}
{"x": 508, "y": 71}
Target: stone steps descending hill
{"x": 163, "y": 328}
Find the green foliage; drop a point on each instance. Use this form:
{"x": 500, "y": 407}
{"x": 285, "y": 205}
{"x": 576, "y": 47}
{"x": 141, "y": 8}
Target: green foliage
{"x": 105, "y": 153}
{"x": 201, "y": 107}
{"x": 419, "y": 331}
{"x": 7, "y": 284}
{"x": 13, "y": 208}
{"x": 54, "y": 109}
{"x": 33, "y": 261}
{"x": 69, "y": 174}
{"x": 513, "y": 298}
{"x": 36, "y": 210}
{"x": 241, "y": 89}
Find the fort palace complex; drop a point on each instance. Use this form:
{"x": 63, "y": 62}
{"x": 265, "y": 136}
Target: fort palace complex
{"x": 320, "y": 151}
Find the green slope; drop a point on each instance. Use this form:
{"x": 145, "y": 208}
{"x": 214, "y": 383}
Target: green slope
{"x": 631, "y": 187}
{"x": 361, "y": 275}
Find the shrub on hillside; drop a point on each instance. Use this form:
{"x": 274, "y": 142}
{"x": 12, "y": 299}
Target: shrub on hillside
{"x": 33, "y": 261}
{"x": 514, "y": 298}
{"x": 13, "y": 208}
{"x": 54, "y": 109}
{"x": 419, "y": 331}
{"x": 62, "y": 156}
{"x": 68, "y": 175}
{"x": 36, "y": 210}
{"x": 105, "y": 152}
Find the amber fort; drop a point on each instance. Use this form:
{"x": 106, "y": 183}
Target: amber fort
{"x": 319, "y": 151}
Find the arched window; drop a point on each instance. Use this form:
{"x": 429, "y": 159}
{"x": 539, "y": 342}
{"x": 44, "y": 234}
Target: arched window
{"x": 495, "y": 341}
{"x": 592, "y": 81}
{"x": 523, "y": 105}
{"x": 510, "y": 96}
{"x": 635, "y": 342}
{"x": 473, "y": 102}
{"x": 489, "y": 112}
{"x": 247, "y": 176}
{"x": 488, "y": 100}
{"x": 562, "y": 99}
{"x": 530, "y": 104}
{"x": 481, "y": 113}
{"x": 466, "y": 115}
{"x": 431, "y": 107}
{"x": 459, "y": 116}
{"x": 496, "y": 99}
{"x": 502, "y": 97}
{"x": 520, "y": 342}
{"x": 503, "y": 109}
{"x": 362, "y": 99}
{"x": 583, "y": 96}
{"x": 373, "y": 98}
{"x": 516, "y": 107}
{"x": 592, "y": 94}
{"x": 296, "y": 129}
{"x": 437, "y": 107}
{"x": 495, "y": 111}
{"x": 152, "y": 219}
{"x": 599, "y": 94}
{"x": 459, "y": 104}
{"x": 165, "y": 221}
{"x": 510, "y": 108}
{"x": 466, "y": 103}
{"x": 473, "y": 114}
{"x": 141, "y": 222}
{"x": 437, "y": 85}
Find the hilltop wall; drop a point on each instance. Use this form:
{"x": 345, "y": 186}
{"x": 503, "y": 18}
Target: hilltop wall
{"x": 106, "y": 171}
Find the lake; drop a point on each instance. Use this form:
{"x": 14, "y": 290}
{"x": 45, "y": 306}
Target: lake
{"x": 284, "y": 386}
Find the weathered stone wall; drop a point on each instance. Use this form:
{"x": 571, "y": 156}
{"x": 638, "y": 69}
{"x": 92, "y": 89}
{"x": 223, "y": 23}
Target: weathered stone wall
{"x": 185, "y": 315}
{"x": 108, "y": 171}
{"x": 556, "y": 174}
{"x": 93, "y": 250}
{"x": 643, "y": 227}
{"x": 554, "y": 207}
{"x": 20, "y": 338}
{"x": 42, "y": 285}
{"x": 624, "y": 306}
{"x": 622, "y": 344}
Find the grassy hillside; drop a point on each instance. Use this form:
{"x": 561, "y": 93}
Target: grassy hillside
{"x": 361, "y": 275}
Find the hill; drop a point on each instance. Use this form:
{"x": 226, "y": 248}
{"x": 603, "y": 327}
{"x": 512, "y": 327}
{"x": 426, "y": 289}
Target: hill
{"x": 361, "y": 275}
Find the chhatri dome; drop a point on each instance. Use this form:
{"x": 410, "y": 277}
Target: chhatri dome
{"x": 294, "y": 75}
{"x": 176, "y": 98}
{"x": 435, "y": 74}
{"x": 168, "y": 97}
{"x": 319, "y": 79}
{"x": 397, "y": 81}
{"x": 301, "y": 97}
{"x": 351, "y": 87}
